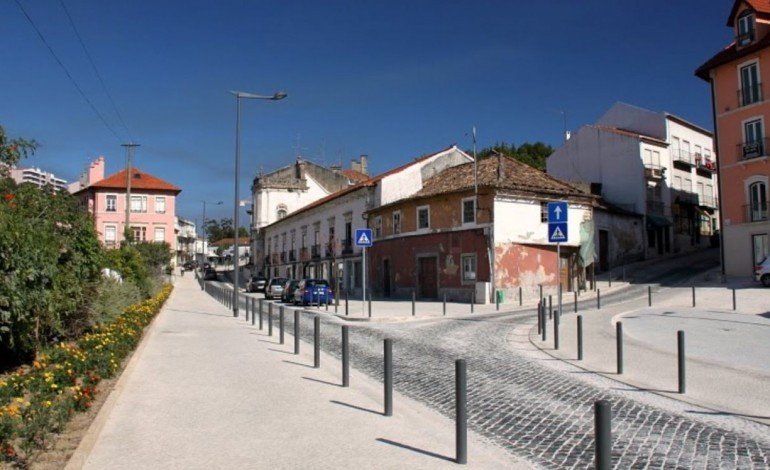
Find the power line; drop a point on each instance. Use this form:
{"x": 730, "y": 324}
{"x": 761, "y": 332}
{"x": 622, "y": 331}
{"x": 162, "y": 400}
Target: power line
{"x": 75, "y": 83}
{"x": 96, "y": 72}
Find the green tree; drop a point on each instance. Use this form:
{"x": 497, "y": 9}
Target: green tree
{"x": 532, "y": 154}
{"x": 220, "y": 229}
{"x": 156, "y": 255}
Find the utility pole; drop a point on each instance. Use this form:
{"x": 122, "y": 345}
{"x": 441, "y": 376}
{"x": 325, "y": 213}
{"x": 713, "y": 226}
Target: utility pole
{"x": 129, "y": 152}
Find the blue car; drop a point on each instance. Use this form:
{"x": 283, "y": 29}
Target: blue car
{"x": 313, "y": 291}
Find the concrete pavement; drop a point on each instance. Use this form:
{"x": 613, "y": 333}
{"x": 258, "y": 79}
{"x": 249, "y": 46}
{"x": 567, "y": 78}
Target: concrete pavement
{"x": 206, "y": 390}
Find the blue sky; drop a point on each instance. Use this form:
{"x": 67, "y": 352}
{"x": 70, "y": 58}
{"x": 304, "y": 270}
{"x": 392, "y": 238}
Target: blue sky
{"x": 392, "y": 80}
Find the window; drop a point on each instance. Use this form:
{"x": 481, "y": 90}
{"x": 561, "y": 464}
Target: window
{"x": 469, "y": 210}
{"x": 758, "y": 201}
{"x": 745, "y": 28}
{"x": 675, "y": 147}
{"x": 396, "y": 222}
{"x": 160, "y": 204}
{"x": 677, "y": 182}
{"x": 753, "y": 146}
{"x": 112, "y": 203}
{"x": 139, "y": 233}
{"x": 469, "y": 267}
{"x": 281, "y": 211}
{"x": 110, "y": 234}
{"x": 750, "y": 91}
{"x": 138, "y": 203}
{"x": 378, "y": 227}
{"x": 698, "y": 152}
{"x": 543, "y": 212}
{"x": 685, "y": 152}
{"x": 160, "y": 234}
{"x": 423, "y": 217}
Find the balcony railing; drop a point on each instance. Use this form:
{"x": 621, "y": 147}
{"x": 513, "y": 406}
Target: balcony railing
{"x": 755, "y": 213}
{"x": 705, "y": 164}
{"x": 679, "y": 155}
{"x": 283, "y": 257}
{"x": 708, "y": 201}
{"x": 304, "y": 254}
{"x": 750, "y": 150}
{"x": 750, "y": 95}
{"x": 347, "y": 246}
{"x": 315, "y": 251}
{"x": 654, "y": 172}
{"x": 745, "y": 38}
{"x": 292, "y": 255}
{"x": 267, "y": 260}
{"x": 329, "y": 252}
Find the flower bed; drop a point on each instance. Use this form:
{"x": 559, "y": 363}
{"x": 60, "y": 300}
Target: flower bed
{"x": 38, "y": 399}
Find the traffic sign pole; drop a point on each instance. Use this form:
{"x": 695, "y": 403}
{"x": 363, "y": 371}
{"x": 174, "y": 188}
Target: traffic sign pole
{"x": 363, "y": 298}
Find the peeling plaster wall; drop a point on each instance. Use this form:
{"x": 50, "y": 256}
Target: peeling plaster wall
{"x": 626, "y": 237}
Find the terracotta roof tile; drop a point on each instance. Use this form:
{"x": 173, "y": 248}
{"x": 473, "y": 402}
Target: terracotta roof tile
{"x": 499, "y": 172}
{"x": 139, "y": 180}
{"x": 355, "y": 175}
{"x": 760, "y": 7}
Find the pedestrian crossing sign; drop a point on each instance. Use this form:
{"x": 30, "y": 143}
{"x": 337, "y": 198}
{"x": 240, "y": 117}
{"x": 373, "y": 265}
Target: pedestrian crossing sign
{"x": 557, "y": 233}
{"x": 363, "y": 237}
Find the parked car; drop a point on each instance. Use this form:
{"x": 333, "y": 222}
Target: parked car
{"x": 288, "y": 290}
{"x": 310, "y": 291}
{"x": 762, "y": 272}
{"x": 274, "y": 287}
{"x": 256, "y": 284}
{"x": 209, "y": 274}
{"x": 189, "y": 266}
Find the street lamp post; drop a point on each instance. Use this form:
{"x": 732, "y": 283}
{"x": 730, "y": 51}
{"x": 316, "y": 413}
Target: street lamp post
{"x": 279, "y": 95}
{"x": 203, "y": 226}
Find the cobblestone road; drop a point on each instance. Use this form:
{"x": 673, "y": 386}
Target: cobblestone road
{"x": 537, "y": 413}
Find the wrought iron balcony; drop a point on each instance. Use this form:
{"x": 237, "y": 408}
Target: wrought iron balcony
{"x": 750, "y": 150}
{"x": 684, "y": 156}
{"x": 315, "y": 251}
{"x": 654, "y": 172}
{"x": 755, "y": 213}
{"x": 347, "y": 246}
{"x": 292, "y": 255}
{"x": 750, "y": 95}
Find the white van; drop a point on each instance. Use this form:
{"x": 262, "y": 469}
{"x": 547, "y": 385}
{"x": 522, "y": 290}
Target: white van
{"x": 762, "y": 271}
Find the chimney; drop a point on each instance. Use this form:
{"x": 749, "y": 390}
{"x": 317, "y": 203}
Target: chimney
{"x": 364, "y": 159}
{"x": 355, "y": 165}
{"x": 95, "y": 171}
{"x": 299, "y": 169}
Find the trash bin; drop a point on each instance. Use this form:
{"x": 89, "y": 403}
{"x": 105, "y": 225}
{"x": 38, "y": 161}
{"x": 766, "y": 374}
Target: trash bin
{"x": 500, "y": 296}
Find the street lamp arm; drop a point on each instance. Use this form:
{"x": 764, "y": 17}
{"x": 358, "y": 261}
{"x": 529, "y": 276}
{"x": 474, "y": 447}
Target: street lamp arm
{"x": 278, "y": 95}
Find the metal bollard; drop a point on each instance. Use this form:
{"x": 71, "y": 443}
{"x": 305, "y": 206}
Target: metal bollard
{"x": 580, "y": 337}
{"x": 693, "y": 296}
{"x": 260, "y": 313}
{"x": 603, "y": 433}
{"x": 576, "y": 294}
{"x": 370, "y": 304}
{"x": 497, "y": 300}
{"x": 598, "y": 299}
{"x": 619, "y": 345}
{"x": 556, "y": 330}
{"x": 317, "y": 342}
{"x": 521, "y": 297}
{"x": 545, "y": 323}
{"x": 444, "y": 305}
{"x": 550, "y": 306}
{"x": 541, "y": 290}
{"x": 649, "y": 296}
{"x": 253, "y": 311}
{"x": 461, "y": 412}
{"x": 388, "y": 377}
{"x": 680, "y": 348}
{"x": 539, "y": 319}
{"x": 346, "y": 303}
{"x": 610, "y": 279}
{"x": 246, "y": 308}
{"x": 270, "y": 319}
{"x": 413, "y": 301}
{"x": 473, "y": 300}
{"x": 733, "y": 298}
{"x": 345, "y": 357}
{"x": 281, "y": 321}
{"x": 296, "y": 332}
{"x": 327, "y": 303}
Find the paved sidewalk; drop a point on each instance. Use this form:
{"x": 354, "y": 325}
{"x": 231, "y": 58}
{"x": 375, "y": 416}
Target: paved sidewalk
{"x": 206, "y": 390}
{"x": 727, "y": 367}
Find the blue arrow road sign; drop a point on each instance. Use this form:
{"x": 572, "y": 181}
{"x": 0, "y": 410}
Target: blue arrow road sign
{"x": 363, "y": 237}
{"x": 557, "y": 212}
{"x": 557, "y": 233}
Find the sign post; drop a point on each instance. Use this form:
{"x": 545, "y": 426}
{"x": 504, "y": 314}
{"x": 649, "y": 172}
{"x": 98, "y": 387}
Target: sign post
{"x": 363, "y": 239}
{"x": 557, "y": 233}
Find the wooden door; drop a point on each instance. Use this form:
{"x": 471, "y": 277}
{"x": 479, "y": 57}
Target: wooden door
{"x": 427, "y": 278}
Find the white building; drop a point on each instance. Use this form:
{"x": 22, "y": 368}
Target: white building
{"x": 653, "y": 164}
{"x": 186, "y": 240}
{"x": 317, "y": 240}
{"x": 38, "y": 177}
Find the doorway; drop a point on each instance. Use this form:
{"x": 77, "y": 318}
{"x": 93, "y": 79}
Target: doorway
{"x": 427, "y": 277}
{"x": 386, "y": 277}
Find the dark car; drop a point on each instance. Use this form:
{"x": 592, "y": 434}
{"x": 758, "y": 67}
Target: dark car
{"x": 256, "y": 284}
{"x": 274, "y": 288}
{"x": 313, "y": 291}
{"x": 288, "y": 290}
{"x": 209, "y": 274}
{"x": 189, "y": 266}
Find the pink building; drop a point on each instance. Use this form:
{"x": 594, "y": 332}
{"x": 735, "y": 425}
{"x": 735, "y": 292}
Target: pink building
{"x": 742, "y": 127}
{"x": 152, "y": 209}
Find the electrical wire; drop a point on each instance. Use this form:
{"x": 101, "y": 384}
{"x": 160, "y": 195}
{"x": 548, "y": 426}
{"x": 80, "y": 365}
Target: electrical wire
{"x": 96, "y": 72}
{"x": 74, "y": 82}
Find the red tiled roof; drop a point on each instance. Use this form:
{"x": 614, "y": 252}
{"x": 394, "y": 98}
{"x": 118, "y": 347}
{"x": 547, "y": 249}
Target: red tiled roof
{"x": 760, "y": 7}
{"x": 227, "y": 242}
{"x": 502, "y": 173}
{"x": 139, "y": 180}
{"x": 355, "y": 175}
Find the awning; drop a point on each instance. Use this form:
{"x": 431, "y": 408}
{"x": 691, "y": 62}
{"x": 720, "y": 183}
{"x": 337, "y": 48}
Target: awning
{"x": 654, "y": 221}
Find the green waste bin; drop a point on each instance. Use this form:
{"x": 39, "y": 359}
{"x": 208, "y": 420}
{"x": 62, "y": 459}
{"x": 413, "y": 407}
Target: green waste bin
{"x": 500, "y": 296}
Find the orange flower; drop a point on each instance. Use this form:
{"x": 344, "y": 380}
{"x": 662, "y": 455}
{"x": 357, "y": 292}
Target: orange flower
{"x": 9, "y": 197}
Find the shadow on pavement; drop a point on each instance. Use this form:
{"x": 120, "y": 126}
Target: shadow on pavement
{"x": 299, "y": 364}
{"x": 415, "y": 449}
{"x": 359, "y": 408}
{"x": 322, "y": 381}
{"x": 726, "y": 413}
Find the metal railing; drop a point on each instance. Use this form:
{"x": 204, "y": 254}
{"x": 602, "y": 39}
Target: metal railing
{"x": 315, "y": 251}
{"x": 684, "y": 156}
{"x": 749, "y": 150}
{"x": 750, "y": 95}
{"x": 755, "y": 213}
{"x": 347, "y": 246}
{"x": 653, "y": 171}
